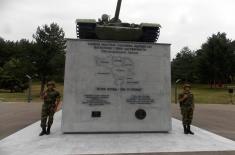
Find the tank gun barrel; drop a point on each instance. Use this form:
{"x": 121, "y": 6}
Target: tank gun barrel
{"x": 116, "y": 17}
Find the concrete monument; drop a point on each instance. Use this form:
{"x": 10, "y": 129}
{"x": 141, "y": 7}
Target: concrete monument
{"x": 117, "y": 79}
{"x": 113, "y": 86}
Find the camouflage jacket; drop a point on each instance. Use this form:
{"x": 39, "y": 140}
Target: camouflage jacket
{"x": 188, "y": 102}
{"x": 50, "y": 96}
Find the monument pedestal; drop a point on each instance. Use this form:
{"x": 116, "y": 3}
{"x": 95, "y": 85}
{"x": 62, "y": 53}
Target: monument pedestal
{"x": 27, "y": 142}
{"x": 113, "y": 86}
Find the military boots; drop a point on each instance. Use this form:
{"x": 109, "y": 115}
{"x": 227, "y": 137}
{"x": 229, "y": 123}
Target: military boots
{"x": 185, "y": 129}
{"x": 189, "y": 130}
{"x": 43, "y": 131}
{"x": 48, "y": 130}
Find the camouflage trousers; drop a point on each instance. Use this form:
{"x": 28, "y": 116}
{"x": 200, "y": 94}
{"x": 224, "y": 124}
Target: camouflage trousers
{"x": 187, "y": 115}
{"x": 47, "y": 114}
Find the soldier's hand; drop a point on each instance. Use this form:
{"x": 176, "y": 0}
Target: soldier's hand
{"x": 44, "y": 95}
{"x": 56, "y": 105}
{"x": 185, "y": 96}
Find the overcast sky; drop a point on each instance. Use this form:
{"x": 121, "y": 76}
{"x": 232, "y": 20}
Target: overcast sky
{"x": 184, "y": 22}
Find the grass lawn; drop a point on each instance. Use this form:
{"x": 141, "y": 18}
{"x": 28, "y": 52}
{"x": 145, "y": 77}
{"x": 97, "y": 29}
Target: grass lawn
{"x": 6, "y": 96}
{"x": 202, "y": 93}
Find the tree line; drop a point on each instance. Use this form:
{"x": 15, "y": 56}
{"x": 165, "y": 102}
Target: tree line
{"x": 42, "y": 59}
{"x": 213, "y": 63}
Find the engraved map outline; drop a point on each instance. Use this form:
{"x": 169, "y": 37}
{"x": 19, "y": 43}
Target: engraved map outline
{"x": 122, "y": 69}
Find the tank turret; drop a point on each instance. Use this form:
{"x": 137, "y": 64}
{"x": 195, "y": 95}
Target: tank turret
{"x": 113, "y": 29}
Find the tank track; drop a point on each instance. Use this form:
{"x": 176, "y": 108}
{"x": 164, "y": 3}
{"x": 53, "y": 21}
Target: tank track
{"x": 86, "y": 31}
{"x": 150, "y": 34}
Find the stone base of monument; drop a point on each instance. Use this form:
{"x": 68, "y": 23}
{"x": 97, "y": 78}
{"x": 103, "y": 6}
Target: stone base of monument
{"x": 27, "y": 142}
{"x": 115, "y": 86}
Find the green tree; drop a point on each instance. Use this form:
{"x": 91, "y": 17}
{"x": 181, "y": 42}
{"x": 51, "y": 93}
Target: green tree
{"x": 49, "y": 57}
{"x": 7, "y": 50}
{"x": 2, "y": 51}
{"x": 1, "y": 70}
{"x": 232, "y": 45}
{"x": 215, "y": 60}
{"x": 25, "y": 55}
{"x": 183, "y": 67}
{"x": 16, "y": 67}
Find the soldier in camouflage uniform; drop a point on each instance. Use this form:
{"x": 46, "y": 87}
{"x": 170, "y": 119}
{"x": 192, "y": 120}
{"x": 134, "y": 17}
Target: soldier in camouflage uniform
{"x": 51, "y": 99}
{"x": 187, "y": 108}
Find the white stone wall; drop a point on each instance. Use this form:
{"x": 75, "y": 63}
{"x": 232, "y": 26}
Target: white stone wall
{"x": 106, "y": 82}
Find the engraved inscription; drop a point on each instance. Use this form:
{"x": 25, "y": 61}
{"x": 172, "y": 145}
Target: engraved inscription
{"x": 96, "y": 100}
{"x": 140, "y": 99}
{"x": 114, "y": 64}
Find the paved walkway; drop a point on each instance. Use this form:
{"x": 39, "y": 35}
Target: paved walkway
{"x": 26, "y": 142}
{"x": 15, "y": 116}
{"x": 219, "y": 119}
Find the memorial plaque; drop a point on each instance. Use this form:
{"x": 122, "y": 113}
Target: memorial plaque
{"x": 113, "y": 86}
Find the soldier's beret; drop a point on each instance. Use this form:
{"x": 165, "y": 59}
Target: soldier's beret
{"x": 187, "y": 85}
{"x": 51, "y": 83}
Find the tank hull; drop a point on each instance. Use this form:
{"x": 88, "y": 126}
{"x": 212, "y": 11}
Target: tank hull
{"x": 120, "y": 33}
{"x": 145, "y": 32}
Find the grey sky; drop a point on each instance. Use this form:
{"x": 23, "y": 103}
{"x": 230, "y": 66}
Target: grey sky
{"x": 184, "y": 22}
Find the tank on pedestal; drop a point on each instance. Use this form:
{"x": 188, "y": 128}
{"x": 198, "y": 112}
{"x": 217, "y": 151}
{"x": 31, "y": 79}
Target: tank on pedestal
{"x": 115, "y": 29}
